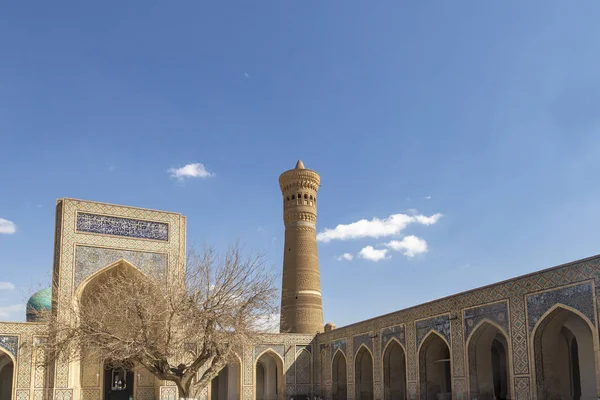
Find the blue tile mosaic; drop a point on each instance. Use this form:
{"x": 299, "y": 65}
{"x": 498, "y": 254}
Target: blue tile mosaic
{"x": 338, "y": 344}
{"x": 439, "y": 324}
{"x": 497, "y": 312}
{"x": 10, "y": 344}
{"x": 365, "y": 339}
{"x": 396, "y": 332}
{"x": 119, "y": 226}
{"x": 579, "y": 297}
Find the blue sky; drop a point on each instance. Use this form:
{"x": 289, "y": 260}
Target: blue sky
{"x": 487, "y": 113}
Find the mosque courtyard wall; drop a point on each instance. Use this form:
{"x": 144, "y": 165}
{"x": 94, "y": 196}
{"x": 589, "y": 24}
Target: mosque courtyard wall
{"x": 531, "y": 337}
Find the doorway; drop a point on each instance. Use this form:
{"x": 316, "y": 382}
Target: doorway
{"x": 118, "y": 383}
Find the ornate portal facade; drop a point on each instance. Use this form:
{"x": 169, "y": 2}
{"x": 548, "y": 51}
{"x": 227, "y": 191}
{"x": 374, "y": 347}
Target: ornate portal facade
{"x": 531, "y": 337}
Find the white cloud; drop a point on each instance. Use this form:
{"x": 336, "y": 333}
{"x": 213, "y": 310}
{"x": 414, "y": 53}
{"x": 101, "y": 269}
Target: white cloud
{"x": 376, "y": 227}
{"x": 409, "y": 245}
{"x": 345, "y": 256}
{"x": 13, "y": 312}
{"x": 196, "y": 170}
{"x": 7, "y": 227}
{"x": 6, "y": 286}
{"x": 427, "y": 197}
{"x": 371, "y": 254}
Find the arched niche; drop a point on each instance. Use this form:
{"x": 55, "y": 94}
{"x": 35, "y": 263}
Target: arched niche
{"x": 394, "y": 371}
{"x": 339, "y": 387}
{"x": 363, "y": 374}
{"x": 435, "y": 368}
{"x": 95, "y": 371}
{"x": 269, "y": 383}
{"x": 7, "y": 375}
{"x": 488, "y": 360}
{"x": 227, "y": 385}
{"x": 564, "y": 354}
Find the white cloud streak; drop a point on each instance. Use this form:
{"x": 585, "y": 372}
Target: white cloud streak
{"x": 375, "y": 228}
{"x": 7, "y": 227}
{"x": 7, "y": 286}
{"x": 409, "y": 246}
{"x": 372, "y": 254}
{"x": 14, "y": 312}
{"x": 345, "y": 256}
{"x": 196, "y": 170}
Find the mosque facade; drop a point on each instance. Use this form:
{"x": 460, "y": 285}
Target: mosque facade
{"x": 531, "y": 337}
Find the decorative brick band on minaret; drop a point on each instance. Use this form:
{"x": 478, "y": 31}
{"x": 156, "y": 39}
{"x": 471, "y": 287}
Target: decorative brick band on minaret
{"x": 301, "y": 303}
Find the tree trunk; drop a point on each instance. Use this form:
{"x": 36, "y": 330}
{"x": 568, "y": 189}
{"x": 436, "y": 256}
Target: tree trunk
{"x": 184, "y": 394}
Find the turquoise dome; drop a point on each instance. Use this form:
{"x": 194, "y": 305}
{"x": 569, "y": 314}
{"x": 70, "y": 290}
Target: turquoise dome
{"x": 40, "y": 301}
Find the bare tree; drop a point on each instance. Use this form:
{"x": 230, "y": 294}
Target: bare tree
{"x": 182, "y": 330}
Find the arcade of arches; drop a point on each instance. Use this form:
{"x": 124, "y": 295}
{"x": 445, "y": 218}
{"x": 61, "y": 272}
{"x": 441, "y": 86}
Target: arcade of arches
{"x": 6, "y": 375}
{"x": 269, "y": 383}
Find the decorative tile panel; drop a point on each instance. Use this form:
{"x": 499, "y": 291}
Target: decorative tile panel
{"x": 144, "y": 394}
{"x": 440, "y": 324}
{"x": 364, "y": 339}
{"x": 119, "y": 226}
{"x": 22, "y": 394}
{"x": 338, "y": 344}
{"x": 396, "y": 332}
{"x": 90, "y": 394}
{"x": 303, "y": 367}
{"x": 496, "y": 312}
{"x": 63, "y": 394}
{"x": 460, "y": 389}
{"x": 522, "y": 388}
{"x": 276, "y": 348}
{"x": 89, "y": 260}
{"x": 10, "y": 344}
{"x": 168, "y": 393}
{"x": 579, "y": 297}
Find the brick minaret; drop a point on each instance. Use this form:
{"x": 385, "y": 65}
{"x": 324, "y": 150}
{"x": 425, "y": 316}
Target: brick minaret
{"x": 301, "y": 304}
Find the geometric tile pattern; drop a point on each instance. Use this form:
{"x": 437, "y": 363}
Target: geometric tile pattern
{"x": 303, "y": 362}
{"x": 338, "y": 344}
{"x": 522, "y": 388}
{"x": 276, "y": 348}
{"x": 119, "y": 226}
{"x": 10, "y": 344}
{"x": 496, "y": 312}
{"x": 89, "y": 260}
{"x": 365, "y": 340}
{"x": 440, "y": 324}
{"x": 22, "y": 394}
{"x": 579, "y": 297}
{"x": 396, "y": 332}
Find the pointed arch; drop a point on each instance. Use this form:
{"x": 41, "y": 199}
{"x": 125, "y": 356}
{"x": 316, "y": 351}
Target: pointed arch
{"x": 435, "y": 367}
{"x": 564, "y": 352}
{"x": 120, "y": 263}
{"x": 8, "y": 376}
{"x": 303, "y": 367}
{"x": 488, "y": 366}
{"x": 394, "y": 370}
{"x": 227, "y": 385}
{"x": 339, "y": 376}
{"x": 363, "y": 373}
{"x": 269, "y": 376}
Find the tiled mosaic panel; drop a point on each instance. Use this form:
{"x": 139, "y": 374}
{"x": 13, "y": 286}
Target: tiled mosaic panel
{"x": 365, "y": 340}
{"x": 519, "y": 336}
{"x": 63, "y": 394}
{"x": 579, "y": 297}
{"x": 439, "y": 324}
{"x": 24, "y": 366}
{"x": 10, "y": 344}
{"x": 90, "y": 394}
{"x": 145, "y": 394}
{"x": 458, "y": 348}
{"x": 522, "y": 388}
{"x": 396, "y": 332}
{"x": 303, "y": 367}
{"x": 496, "y": 312}
{"x": 460, "y": 389}
{"x": 350, "y": 366}
{"x": 89, "y": 260}
{"x": 276, "y": 348}
{"x": 119, "y": 226}
{"x": 168, "y": 393}
{"x": 338, "y": 345}
{"x": 412, "y": 390}
{"x": 290, "y": 365}
{"x": 248, "y": 392}
{"x": 248, "y": 365}
{"x": 144, "y": 378}
{"x": 22, "y": 394}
